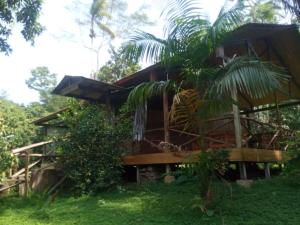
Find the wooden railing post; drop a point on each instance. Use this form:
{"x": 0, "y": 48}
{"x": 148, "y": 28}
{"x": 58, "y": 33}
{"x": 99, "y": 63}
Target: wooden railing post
{"x": 238, "y": 133}
{"x": 26, "y": 173}
{"x": 166, "y": 125}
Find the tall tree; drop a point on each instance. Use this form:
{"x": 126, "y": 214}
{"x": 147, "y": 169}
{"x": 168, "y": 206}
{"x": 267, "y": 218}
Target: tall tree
{"x": 23, "y": 12}
{"x": 261, "y": 11}
{"x": 44, "y": 82}
{"x": 117, "y": 67}
{"x": 108, "y": 20}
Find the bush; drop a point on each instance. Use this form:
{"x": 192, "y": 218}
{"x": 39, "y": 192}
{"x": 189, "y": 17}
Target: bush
{"x": 292, "y": 165}
{"x": 210, "y": 167}
{"x": 92, "y": 149}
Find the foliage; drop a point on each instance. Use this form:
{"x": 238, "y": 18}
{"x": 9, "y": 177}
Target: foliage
{"x": 190, "y": 40}
{"x": 22, "y": 12}
{"x": 291, "y": 117}
{"x": 139, "y": 95}
{"x": 117, "y": 67}
{"x": 293, "y": 6}
{"x": 210, "y": 166}
{"x": 106, "y": 20}
{"x": 15, "y": 131}
{"x": 265, "y": 11}
{"x": 266, "y": 202}
{"x": 44, "y": 82}
{"x": 92, "y": 147}
{"x": 292, "y": 166}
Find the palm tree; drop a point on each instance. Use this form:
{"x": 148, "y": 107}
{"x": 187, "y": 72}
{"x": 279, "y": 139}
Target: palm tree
{"x": 190, "y": 39}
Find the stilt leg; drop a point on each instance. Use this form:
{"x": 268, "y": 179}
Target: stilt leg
{"x": 243, "y": 170}
{"x": 267, "y": 170}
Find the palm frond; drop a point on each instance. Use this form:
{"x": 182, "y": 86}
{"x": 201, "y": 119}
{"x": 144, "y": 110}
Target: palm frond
{"x": 229, "y": 18}
{"x": 145, "y": 46}
{"x": 249, "y": 76}
{"x": 144, "y": 91}
{"x": 184, "y": 109}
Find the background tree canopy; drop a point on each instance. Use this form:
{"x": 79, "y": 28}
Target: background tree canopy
{"x": 42, "y": 81}
{"x": 22, "y": 12}
{"x": 117, "y": 67}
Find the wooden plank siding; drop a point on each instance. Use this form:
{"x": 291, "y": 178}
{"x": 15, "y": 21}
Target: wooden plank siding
{"x": 236, "y": 155}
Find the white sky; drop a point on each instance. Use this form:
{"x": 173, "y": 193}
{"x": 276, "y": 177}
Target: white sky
{"x": 62, "y": 55}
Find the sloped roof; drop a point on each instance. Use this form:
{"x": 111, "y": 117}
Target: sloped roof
{"x": 84, "y": 88}
{"x": 52, "y": 116}
{"x": 279, "y": 44}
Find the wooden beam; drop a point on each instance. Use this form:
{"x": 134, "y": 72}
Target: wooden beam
{"x": 235, "y": 155}
{"x": 166, "y": 117}
{"x": 26, "y": 174}
{"x": 23, "y": 170}
{"x": 271, "y": 107}
{"x": 25, "y": 148}
{"x": 10, "y": 186}
{"x": 238, "y": 133}
{"x": 166, "y": 125}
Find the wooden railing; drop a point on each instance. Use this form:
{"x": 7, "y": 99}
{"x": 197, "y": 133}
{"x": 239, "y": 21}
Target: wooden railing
{"x": 25, "y": 152}
{"x": 256, "y": 134}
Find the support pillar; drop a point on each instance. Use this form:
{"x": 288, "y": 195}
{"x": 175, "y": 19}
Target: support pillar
{"x": 138, "y": 177}
{"x": 26, "y": 187}
{"x": 166, "y": 125}
{"x": 267, "y": 170}
{"x": 238, "y": 133}
{"x": 243, "y": 170}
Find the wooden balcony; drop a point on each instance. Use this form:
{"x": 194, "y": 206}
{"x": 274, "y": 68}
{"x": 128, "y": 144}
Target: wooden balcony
{"x": 235, "y": 155}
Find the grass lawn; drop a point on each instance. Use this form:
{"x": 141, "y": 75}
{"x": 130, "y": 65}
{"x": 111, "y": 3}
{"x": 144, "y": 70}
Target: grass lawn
{"x": 270, "y": 202}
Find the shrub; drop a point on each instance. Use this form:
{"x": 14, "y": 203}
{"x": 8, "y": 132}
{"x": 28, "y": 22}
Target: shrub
{"x": 92, "y": 149}
{"x": 292, "y": 165}
{"x": 210, "y": 167}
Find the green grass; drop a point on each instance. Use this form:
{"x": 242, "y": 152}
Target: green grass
{"x": 271, "y": 202}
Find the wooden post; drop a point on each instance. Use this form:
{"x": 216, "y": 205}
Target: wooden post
{"x": 166, "y": 125}
{"x": 238, "y": 133}
{"x": 26, "y": 173}
{"x": 138, "y": 177}
{"x": 166, "y": 117}
{"x": 267, "y": 170}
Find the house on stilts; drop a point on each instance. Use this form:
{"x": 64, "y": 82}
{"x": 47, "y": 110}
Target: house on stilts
{"x": 247, "y": 139}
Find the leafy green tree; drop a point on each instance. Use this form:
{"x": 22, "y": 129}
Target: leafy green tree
{"x": 107, "y": 20}
{"x": 258, "y": 11}
{"x": 15, "y": 130}
{"x": 117, "y": 67}
{"x": 92, "y": 148}
{"x": 44, "y": 82}
{"x": 23, "y": 12}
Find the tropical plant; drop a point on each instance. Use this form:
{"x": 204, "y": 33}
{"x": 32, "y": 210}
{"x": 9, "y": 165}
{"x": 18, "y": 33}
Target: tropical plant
{"x": 261, "y": 11}
{"x": 210, "y": 167}
{"x": 116, "y": 67}
{"x": 92, "y": 147}
{"x": 190, "y": 40}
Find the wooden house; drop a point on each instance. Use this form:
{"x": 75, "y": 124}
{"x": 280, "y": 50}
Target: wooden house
{"x": 247, "y": 139}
